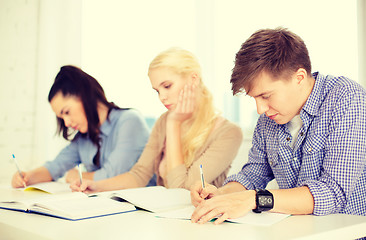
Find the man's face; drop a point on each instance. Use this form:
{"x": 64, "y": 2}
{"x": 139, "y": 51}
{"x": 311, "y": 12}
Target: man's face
{"x": 279, "y": 99}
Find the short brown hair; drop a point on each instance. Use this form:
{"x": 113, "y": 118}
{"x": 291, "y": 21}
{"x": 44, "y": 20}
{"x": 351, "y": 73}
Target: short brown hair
{"x": 278, "y": 52}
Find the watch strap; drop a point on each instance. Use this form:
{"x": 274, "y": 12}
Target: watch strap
{"x": 264, "y": 200}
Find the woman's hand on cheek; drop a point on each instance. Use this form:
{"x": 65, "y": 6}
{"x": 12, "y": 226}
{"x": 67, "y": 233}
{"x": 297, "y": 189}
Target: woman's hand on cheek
{"x": 185, "y": 105}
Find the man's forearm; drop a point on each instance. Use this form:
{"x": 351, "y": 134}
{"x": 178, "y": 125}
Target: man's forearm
{"x": 231, "y": 187}
{"x": 293, "y": 201}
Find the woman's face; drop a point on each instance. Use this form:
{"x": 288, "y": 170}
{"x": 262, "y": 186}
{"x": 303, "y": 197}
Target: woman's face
{"x": 168, "y": 85}
{"x": 71, "y": 110}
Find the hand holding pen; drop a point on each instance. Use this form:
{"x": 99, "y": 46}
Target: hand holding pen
{"x": 202, "y": 190}
{"x": 19, "y": 179}
{"x": 80, "y": 174}
{"x": 202, "y": 178}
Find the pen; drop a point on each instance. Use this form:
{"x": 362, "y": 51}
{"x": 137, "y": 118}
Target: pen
{"x": 202, "y": 179}
{"x": 80, "y": 175}
{"x": 20, "y": 172}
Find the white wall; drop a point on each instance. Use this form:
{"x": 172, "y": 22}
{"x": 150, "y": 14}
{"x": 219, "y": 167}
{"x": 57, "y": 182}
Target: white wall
{"x": 130, "y": 33}
{"x": 59, "y": 43}
{"x": 19, "y": 37}
{"x": 120, "y": 38}
{"x": 37, "y": 38}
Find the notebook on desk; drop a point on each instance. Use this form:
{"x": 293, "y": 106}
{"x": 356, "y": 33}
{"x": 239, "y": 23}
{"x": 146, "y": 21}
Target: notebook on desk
{"x": 263, "y": 219}
{"x": 154, "y": 199}
{"x": 61, "y": 203}
{"x": 48, "y": 187}
{"x": 71, "y": 206}
{"x": 75, "y": 206}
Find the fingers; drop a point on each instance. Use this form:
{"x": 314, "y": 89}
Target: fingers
{"x": 75, "y": 186}
{"x": 196, "y": 194}
{"x": 192, "y": 97}
{"x": 189, "y": 98}
{"x": 186, "y": 99}
{"x": 85, "y": 185}
{"x": 222, "y": 207}
{"x": 204, "y": 193}
{"x": 180, "y": 103}
{"x": 185, "y": 106}
{"x": 24, "y": 180}
{"x": 88, "y": 186}
{"x": 199, "y": 194}
{"x": 18, "y": 181}
{"x": 222, "y": 218}
{"x": 209, "y": 191}
{"x": 209, "y": 210}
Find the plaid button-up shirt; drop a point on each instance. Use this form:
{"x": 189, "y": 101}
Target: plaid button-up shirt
{"x": 330, "y": 153}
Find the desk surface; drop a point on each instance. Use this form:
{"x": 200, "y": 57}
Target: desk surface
{"x": 144, "y": 225}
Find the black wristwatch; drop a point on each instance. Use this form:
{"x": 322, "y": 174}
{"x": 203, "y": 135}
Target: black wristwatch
{"x": 264, "y": 200}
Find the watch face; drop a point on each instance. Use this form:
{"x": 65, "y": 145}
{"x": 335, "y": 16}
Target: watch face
{"x": 265, "y": 201}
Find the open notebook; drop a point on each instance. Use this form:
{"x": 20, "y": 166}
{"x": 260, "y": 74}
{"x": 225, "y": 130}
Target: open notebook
{"x": 163, "y": 202}
{"x": 262, "y": 219}
{"x": 75, "y": 206}
{"x": 56, "y": 199}
{"x": 176, "y": 203}
{"x": 71, "y": 206}
{"x": 154, "y": 199}
{"x": 48, "y": 187}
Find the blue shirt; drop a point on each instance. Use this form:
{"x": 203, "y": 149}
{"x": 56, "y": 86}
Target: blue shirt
{"x": 123, "y": 137}
{"x": 330, "y": 153}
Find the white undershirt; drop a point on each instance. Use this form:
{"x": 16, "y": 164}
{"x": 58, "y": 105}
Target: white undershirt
{"x": 294, "y": 126}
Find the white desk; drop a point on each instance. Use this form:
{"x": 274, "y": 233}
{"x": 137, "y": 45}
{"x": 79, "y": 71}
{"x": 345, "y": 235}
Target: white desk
{"x": 143, "y": 225}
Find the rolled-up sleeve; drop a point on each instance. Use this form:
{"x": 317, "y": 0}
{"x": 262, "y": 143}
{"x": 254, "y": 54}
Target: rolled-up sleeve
{"x": 344, "y": 156}
{"x": 125, "y": 146}
{"x": 68, "y": 158}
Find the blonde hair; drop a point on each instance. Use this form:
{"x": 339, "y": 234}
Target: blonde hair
{"x": 196, "y": 129}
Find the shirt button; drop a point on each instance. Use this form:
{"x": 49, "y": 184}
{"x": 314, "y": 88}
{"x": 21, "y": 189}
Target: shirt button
{"x": 301, "y": 134}
{"x": 310, "y": 149}
{"x": 288, "y": 139}
{"x": 270, "y": 163}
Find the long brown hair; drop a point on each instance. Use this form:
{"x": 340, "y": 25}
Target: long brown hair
{"x": 72, "y": 81}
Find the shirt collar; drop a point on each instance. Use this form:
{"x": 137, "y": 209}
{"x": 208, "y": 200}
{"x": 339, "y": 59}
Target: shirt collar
{"x": 313, "y": 103}
{"x": 106, "y": 127}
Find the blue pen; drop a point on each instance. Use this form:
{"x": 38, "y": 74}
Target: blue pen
{"x": 20, "y": 172}
{"x": 202, "y": 179}
{"x": 80, "y": 175}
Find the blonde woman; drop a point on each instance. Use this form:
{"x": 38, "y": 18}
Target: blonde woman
{"x": 189, "y": 134}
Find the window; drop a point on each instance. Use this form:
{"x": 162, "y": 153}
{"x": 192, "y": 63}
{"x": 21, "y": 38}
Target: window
{"x": 120, "y": 38}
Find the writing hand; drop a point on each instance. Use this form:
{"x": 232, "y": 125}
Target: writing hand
{"x": 88, "y": 186}
{"x": 72, "y": 175}
{"x": 19, "y": 181}
{"x": 198, "y": 194}
{"x": 222, "y": 207}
